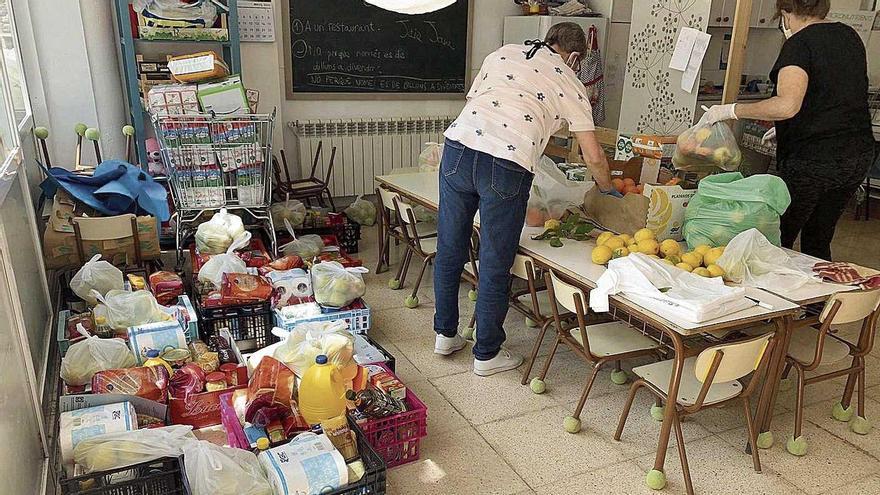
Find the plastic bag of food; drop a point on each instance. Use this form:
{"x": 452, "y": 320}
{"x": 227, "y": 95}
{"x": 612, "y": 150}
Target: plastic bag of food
{"x": 541, "y": 208}
{"x": 214, "y": 470}
{"x": 429, "y": 158}
{"x": 215, "y": 235}
{"x": 149, "y": 382}
{"x": 752, "y": 261}
{"x": 727, "y": 204}
{"x": 124, "y": 309}
{"x": 94, "y": 354}
{"x": 291, "y": 210}
{"x": 213, "y": 270}
{"x": 98, "y": 275}
{"x": 116, "y": 450}
{"x": 362, "y": 211}
{"x": 271, "y": 392}
{"x": 336, "y": 286}
{"x": 306, "y": 247}
{"x": 308, "y": 340}
{"x": 707, "y": 147}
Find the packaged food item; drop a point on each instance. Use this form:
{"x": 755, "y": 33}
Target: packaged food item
{"x": 136, "y": 281}
{"x": 86, "y": 358}
{"x": 149, "y": 382}
{"x": 209, "y": 362}
{"x": 223, "y": 348}
{"x": 153, "y": 359}
{"x": 270, "y": 392}
{"x": 230, "y": 371}
{"x": 245, "y": 287}
{"x": 321, "y": 392}
{"x": 166, "y": 286}
{"x": 86, "y": 320}
{"x": 340, "y": 434}
{"x": 290, "y": 287}
{"x": 283, "y": 263}
{"x": 103, "y": 329}
{"x": 256, "y": 258}
{"x": 189, "y": 379}
{"x": 96, "y": 275}
{"x": 375, "y": 403}
{"x": 115, "y": 450}
{"x": 275, "y": 431}
{"x": 81, "y": 424}
{"x": 177, "y": 357}
{"x": 389, "y": 384}
{"x": 336, "y": 286}
{"x": 215, "y": 381}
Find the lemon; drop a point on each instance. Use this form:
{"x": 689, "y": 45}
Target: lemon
{"x": 673, "y": 258}
{"x": 614, "y": 243}
{"x": 604, "y": 236}
{"x": 712, "y": 256}
{"x": 702, "y": 249}
{"x": 620, "y": 252}
{"x": 654, "y": 256}
{"x": 703, "y": 272}
{"x": 715, "y": 270}
{"x": 667, "y": 261}
{"x": 670, "y": 247}
{"x": 685, "y": 267}
{"x": 692, "y": 258}
{"x": 649, "y": 246}
{"x": 552, "y": 224}
{"x": 601, "y": 255}
{"x": 643, "y": 234}
{"x": 627, "y": 239}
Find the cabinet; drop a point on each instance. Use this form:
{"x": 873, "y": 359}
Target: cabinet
{"x": 723, "y": 11}
{"x": 763, "y": 12}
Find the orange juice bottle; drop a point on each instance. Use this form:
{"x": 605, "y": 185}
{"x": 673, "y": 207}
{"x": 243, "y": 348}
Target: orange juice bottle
{"x": 321, "y": 392}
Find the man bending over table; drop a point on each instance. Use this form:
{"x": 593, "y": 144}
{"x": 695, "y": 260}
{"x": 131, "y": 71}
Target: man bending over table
{"x": 521, "y": 97}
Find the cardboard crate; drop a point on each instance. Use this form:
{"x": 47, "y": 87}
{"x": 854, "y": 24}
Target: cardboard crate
{"x": 659, "y": 208}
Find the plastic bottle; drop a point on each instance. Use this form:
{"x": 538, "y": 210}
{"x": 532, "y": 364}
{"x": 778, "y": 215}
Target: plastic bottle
{"x": 321, "y": 392}
{"x": 153, "y": 359}
{"x": 376, "y": 403}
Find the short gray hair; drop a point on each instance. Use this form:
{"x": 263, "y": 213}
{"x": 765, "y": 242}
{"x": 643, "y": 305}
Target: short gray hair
{"x": 568, "y": 36}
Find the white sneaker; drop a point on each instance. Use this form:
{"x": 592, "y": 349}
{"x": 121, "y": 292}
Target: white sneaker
{"x": 445, "y": 346}
{"x": 502, "y": 362}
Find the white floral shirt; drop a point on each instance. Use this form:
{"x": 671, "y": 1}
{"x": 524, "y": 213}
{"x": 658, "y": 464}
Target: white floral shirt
{"x": 516, "y": 104}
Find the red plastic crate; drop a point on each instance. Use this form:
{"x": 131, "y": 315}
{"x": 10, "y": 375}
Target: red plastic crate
{"x": 396, "y": 438}
{"x": 199, "y": 260}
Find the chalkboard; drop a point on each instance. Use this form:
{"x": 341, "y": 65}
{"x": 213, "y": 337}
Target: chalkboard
{"x": 348, "y": 48}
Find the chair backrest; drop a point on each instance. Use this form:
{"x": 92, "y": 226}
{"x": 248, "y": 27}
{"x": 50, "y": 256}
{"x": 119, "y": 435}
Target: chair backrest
{"x": 739, "y": 359}
{"x": 522, "y": 264}
{"x": 854, "y": 306}
{"x": 387, "y": 198}
{"x": 319, "y": 152}
{"x": 565, "y": 294}
{"x": 106, "y": 228}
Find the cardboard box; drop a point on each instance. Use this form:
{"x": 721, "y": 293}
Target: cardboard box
{"x": 224, "y": 97}
{"x": 653, "y": 146}
{"x": 660, "y": 208}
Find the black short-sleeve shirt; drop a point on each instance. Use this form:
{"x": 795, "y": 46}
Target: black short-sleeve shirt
{"x": 834, "y": 121}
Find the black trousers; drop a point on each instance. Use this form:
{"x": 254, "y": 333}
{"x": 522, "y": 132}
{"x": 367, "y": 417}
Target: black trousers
{"x": 820, "y": 191}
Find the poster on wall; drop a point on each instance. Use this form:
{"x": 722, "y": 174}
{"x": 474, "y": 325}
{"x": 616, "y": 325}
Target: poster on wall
{"x": 860, "y": 20}
{"x": 653, "y": 101}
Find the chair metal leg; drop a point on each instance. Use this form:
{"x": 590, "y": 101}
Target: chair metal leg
{"x": 624, "y": 415}
{"x": 401, "y": 269}
{"x": 586, "y": 392}
{"x": 330, "y": 198}
{"x": 419, "y": 278}
{"x": 861, "y": 398}
{"x": 406, "y": 262}
{"x": 753, "y": 434}
{"x": 850, "y": 386}
{"x": 799, "y": 412}
{"x": 682, "y": 455}
{"x": 535, "y": 349}
{"x": 549, "y": 360}
{"x": 383, "y": 238}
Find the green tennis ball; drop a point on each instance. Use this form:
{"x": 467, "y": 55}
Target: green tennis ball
{"x": 411, "y": 302}
{"x": 618, "y": 377}
{"x": 657, "y": 412}
{"x": 841, "y": 414}
{"x": 656, "y": 480}
{"x": 128, "y": 130}
{"x": 571, "y": 424}
{"x": 531, "y": 323}
{"x": 394, "y": 284}
{"x": 41, "y": 132}
{"x": 93, "y": 134}
{"x": 472, "y": 295}
{"x": 796, "y": 446}
{"x": 538, "y": 386}
{"x": 469, "y": 333}
{"x": 860, "y": 426}
{"x": 765, "y": 440}
{"x": 80, "y": 129}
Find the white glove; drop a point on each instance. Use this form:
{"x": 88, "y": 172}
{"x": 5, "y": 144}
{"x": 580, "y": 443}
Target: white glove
{"x": 718, "y": 113}
{"x": 769, "y": 137}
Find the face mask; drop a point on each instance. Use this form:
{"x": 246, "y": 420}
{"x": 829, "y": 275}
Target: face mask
{"x": 574, "y": 62}
{"x": 785, "y": 31}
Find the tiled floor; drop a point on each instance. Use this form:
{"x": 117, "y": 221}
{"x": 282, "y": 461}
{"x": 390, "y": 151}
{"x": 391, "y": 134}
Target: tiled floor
{"x": 494, "y": 436}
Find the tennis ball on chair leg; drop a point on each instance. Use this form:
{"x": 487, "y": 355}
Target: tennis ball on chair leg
{"x": 394, "y": 284}
{"x": 656, "y": 480}
{"x": 618, "y": 377}
{"x": 531, "y": 323}
{"x": 571, "y": 424}
{"x": 797, "y": 446}
{"x": 472, "y": 295}
{"x": 860, "y": 425}
{"x": 765, "y": 440}
{"x": 537, "y": 385}
{"x": 657, "y": 412}
{"x": 841, "y": 414}
{"x": 411, "y": 302}
{"x": 469, "y": 333}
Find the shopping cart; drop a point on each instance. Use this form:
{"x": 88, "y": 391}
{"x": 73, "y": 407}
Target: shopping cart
{"x": 217, "y": 161}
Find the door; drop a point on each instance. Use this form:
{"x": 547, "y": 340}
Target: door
{"x": 762, "y": 14}
{"x": 716, "y": 13}
{"x": 728, "y": 11}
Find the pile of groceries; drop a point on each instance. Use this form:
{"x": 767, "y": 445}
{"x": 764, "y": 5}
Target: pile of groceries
{"x": 283, "y": 392}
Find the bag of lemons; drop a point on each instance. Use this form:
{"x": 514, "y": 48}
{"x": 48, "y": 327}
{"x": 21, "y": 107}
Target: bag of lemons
{"x": 727, "y": 204}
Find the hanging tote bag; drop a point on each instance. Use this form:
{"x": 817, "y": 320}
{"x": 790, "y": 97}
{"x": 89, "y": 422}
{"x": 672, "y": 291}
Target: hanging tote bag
{"x": 593, "y": 76}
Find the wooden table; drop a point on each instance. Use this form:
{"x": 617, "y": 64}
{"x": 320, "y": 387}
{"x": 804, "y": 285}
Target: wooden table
{"x": 572, "y": 262}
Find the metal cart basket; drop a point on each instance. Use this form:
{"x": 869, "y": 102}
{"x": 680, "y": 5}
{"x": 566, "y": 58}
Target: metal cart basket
{"x": 217, "y": 161}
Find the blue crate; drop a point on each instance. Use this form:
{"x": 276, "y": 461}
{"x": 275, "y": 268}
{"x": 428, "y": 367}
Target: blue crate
{"x": 359, "y": 320}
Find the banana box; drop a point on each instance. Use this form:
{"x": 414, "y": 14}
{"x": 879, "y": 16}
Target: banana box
{"x": 659, "y": 208}
{"x": 666, "y": 209}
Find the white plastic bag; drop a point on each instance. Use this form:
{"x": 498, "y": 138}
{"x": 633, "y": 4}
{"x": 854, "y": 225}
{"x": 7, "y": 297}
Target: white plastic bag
{"x": 116, "y": 450}
{"x": 308, "y": 340}
{"x": 292, "y": 210}
{"x": 306, "y": 247}
{"x": 429, "y": 158}
{"x": 229, "y": 262}
{"x": 750, "y": 259}
{"x": 94, "y": 354}
{"x": 125, "y": 309}
{"x": 336, "y": 286}
{"x": 362, "y": 211}
{"x": 666, "y": 290}
{"x": 552, "y": 193}
{"x": 98, "y": 275}
{"x": 707, "y": 147}
{"x": 216, "y": 235}
{"x": 215, "y": 470}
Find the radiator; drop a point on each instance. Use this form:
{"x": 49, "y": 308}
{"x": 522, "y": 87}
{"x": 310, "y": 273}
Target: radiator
{"x": 365, "y": 148}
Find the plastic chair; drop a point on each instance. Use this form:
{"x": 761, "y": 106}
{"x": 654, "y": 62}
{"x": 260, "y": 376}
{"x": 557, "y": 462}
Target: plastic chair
{"x": 817, "y": 345}
{"x": 416, "y": 244}
{"x": 389, "y": 227}
{"x": 710, "y": 379}
{"x": 98, "y": 229}
{"x": 312, "y": 187}
{"x": 598, "y": 344}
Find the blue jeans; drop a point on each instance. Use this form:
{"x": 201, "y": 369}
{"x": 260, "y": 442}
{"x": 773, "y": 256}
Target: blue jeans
{"x": 469, "y": 181}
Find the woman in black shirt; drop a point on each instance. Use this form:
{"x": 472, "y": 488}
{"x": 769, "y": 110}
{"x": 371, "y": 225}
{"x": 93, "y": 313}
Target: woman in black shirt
{"x": 823, "y": 127}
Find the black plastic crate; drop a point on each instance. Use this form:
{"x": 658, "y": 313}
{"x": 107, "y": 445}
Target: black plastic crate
{"x": 390, "y": 357}
{"x": 373, "y": 480}
{"x": 163, "y": 476}
{"x": 249, "y": 324}
{"x": 349, "y": 237}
